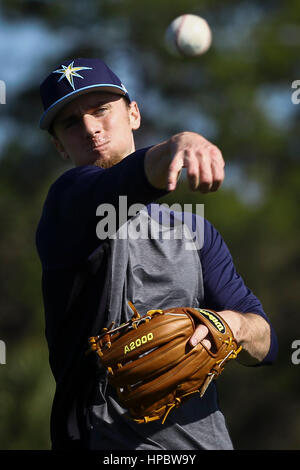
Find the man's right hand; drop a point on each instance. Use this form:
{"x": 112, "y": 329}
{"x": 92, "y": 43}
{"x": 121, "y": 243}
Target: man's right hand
{"x": 203, "y": 161}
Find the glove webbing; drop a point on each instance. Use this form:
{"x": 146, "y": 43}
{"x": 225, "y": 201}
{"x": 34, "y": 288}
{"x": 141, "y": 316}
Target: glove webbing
{"x": 133, "y": 322}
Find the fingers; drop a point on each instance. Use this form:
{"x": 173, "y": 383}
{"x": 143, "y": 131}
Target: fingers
{"x": 210, "y": 169}
{"x": 217, "y": 168}
{"x": 191, "y": 164}
{"x": 200, "y": 336}
{"x": 202, "y": 160}
{"x": 174, "y": 170}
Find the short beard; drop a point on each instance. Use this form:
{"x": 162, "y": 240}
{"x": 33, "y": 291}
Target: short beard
{"x": 108, "y": 163}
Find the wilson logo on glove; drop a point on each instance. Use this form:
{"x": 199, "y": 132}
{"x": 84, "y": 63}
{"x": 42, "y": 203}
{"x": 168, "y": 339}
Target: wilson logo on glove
{"x": 153, "y": 367}
{"x": 215, "y": 321}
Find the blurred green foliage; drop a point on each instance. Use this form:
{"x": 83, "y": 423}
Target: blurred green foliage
{"x": 239, "y": 96}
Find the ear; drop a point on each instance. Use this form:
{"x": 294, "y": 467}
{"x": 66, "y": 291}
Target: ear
{"x": 60, "y": 148}
{"x": 134, "y": 115}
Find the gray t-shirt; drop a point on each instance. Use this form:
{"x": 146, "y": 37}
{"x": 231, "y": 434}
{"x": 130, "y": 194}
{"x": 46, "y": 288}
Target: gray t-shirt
{"x": 159, "y": 268}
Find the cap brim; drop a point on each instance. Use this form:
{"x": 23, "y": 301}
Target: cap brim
{"x": 51, "y": 112}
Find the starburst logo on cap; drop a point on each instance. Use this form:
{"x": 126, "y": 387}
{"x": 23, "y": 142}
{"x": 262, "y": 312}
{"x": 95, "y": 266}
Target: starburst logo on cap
{"x": 69, "y": 72}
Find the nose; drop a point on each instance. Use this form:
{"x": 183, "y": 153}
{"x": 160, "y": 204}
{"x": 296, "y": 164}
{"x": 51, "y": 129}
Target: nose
{"x": 91, "y": 125}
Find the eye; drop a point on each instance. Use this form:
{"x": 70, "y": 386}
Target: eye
{"x": 71, "y": 122}
{"x": 100, "y": 110}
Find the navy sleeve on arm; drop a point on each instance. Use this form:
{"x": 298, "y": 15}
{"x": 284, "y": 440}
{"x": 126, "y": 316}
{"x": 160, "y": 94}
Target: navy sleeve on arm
{"x": 224, "y": 287}
{"x": 66, "y": 234}
{"x": 89, "y": 186}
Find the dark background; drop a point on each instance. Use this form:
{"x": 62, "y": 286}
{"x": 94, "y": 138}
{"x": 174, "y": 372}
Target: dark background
{"x": 238, "y": 95}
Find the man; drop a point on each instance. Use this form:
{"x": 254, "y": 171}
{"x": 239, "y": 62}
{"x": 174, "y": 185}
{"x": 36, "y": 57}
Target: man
{"x": 87, "y": 281}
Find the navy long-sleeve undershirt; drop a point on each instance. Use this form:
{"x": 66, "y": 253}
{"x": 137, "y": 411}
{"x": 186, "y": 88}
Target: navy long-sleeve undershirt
{"x": 66, "y": 236}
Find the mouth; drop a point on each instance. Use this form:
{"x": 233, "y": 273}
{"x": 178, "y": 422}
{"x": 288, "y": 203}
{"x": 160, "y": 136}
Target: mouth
{"x": 98, "y": 143}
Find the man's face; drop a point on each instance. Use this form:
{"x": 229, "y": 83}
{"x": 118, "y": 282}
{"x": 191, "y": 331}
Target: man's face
{"x": 96, "y": 129}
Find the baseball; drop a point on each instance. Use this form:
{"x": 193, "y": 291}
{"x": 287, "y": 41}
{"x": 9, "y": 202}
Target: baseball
{"x": 188, "y": 35}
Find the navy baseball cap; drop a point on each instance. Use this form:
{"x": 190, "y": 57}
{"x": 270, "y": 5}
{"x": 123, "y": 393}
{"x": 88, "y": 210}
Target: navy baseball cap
{"x": 74, "y": 78}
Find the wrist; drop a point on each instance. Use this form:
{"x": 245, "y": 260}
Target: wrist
{"x": 156, "y": 164}
{"x": 236, "y": 322}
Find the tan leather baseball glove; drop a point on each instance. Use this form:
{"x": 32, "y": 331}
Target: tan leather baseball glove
{"x": 153, "y": 367}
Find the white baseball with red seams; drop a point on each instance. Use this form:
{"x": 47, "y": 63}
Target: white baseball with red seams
{"x": 188, "y": 35}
